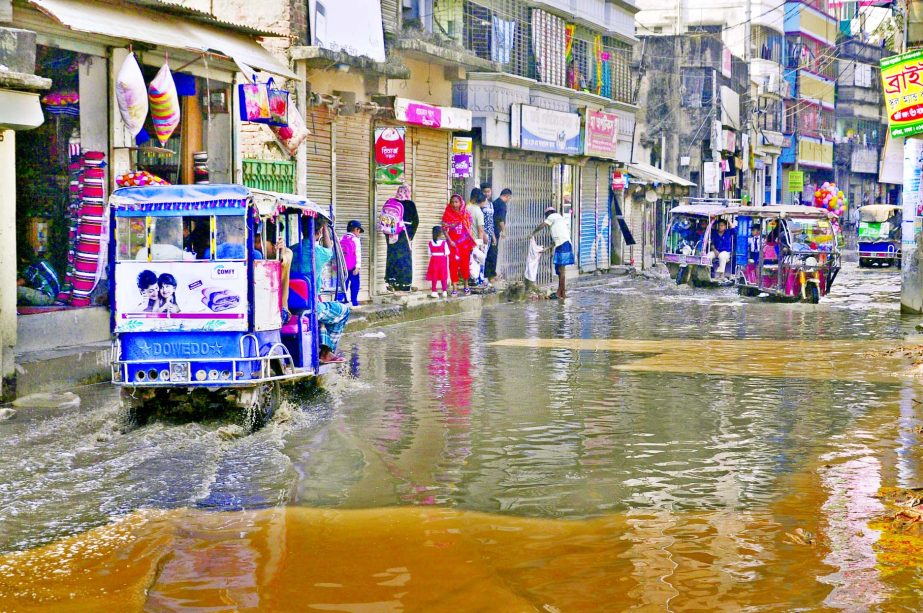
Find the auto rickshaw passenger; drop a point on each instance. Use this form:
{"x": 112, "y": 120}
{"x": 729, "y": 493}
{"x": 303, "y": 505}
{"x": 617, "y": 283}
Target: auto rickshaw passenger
{"x": 722, "y": 244}
{"x": 331, "y": 315}
{"x": 271, "y": 250}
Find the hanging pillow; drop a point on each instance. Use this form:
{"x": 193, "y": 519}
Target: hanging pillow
{"x": 131, "y": 94}
{"x": 291, "y": 136}
{"x": 164, "y": 104}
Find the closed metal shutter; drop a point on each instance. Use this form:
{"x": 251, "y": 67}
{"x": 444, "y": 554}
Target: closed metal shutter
{"x": 587, "y": 256}
{"x": 603, "y": 217}
{"x": 426, "y": 170}
{"x": 319, "y": 159}
{"x": 377, "y": 243}
{"x": 353, "y": 184}
{"x": 533, "y": 191}
{"x": 430, "y": 184}
{"x": 390, "y": 16}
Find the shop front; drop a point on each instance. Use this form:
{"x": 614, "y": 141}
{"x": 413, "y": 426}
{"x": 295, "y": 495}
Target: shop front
{"x": 90, "y": 142}
{"x": 413, "y": 148}
{"x": 650, "y": 193}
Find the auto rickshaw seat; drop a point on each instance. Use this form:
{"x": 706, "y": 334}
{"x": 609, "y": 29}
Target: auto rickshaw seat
{"x": 298, "y": 297}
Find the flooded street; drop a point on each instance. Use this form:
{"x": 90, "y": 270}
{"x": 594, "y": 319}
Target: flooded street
{"x": 640, "y": 446}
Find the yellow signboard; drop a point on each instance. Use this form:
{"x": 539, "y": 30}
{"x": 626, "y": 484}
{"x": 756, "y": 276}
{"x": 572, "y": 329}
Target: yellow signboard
{"x": 900, "y": 77}
{"x": 796, "y": 181}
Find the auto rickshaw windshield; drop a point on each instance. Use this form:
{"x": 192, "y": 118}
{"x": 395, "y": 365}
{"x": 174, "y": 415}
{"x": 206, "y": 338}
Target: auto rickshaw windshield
{"x": 811, "y": 234}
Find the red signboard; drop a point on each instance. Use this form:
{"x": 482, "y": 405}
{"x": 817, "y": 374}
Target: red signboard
{"x": 389, "y": 155}
{"x": 601, "y": 134}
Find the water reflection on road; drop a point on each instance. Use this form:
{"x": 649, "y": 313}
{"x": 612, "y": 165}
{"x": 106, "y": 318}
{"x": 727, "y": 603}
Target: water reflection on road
{"x": 639, "y": 445}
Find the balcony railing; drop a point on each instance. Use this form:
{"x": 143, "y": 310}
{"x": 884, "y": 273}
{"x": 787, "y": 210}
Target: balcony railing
{"x": 534, "y": 43}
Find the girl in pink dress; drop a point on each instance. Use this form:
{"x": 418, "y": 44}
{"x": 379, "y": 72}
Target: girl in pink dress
{"x": 438, "y": 270}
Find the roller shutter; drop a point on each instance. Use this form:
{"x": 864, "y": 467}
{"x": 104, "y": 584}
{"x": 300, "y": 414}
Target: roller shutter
{"x": 426, "y": 170}
{"x": 594, "y": 217}
{"x": 587, "y": 256}
{"x": 319, "y": 160}
{"x": 430, "y": 184}
{"x": 352, "y": 137}
{"x": 377, "y": 245}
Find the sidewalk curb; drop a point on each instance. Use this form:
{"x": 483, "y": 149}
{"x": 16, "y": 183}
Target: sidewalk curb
{"x": 68, "y": 367}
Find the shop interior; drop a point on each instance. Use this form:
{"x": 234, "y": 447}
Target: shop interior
{"x": 59, "y": 218}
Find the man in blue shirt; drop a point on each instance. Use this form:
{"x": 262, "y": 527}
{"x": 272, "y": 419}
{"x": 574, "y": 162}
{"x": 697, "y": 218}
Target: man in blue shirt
{"x": 722, "y": 245}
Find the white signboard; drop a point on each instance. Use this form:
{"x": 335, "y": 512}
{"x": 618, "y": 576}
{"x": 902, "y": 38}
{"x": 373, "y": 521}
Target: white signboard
{"x": 180, "y": 296}
{"x": 711, "y": 177}
{"x": 538, "y": 129}
{"x": 353, "y": 27}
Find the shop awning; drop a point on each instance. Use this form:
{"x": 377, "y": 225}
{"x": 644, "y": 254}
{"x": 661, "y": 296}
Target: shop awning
{"x": 645, "y": 173}
{"x": 165, "y": 30}
{"x": 20, "y": 110}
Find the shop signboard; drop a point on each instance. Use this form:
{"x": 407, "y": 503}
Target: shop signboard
{"x": 430, "y": 116}
{"x": 796, "y": 181}
{"x": 462, "y": 157}
{"x": 537, "y": 129}
{"x": 900, "y": 77}
{"x": 389, "y": 155}
{"x": 711, "y": 177}
{"x": 619, "y": 180}
{"x": 187, "y": 296}
{"x": 601, "y": 134}
{"x": 417, "y": 113}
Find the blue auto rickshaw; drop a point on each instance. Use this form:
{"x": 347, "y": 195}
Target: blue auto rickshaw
{"x": 196, "y": 282}
{"x": 879, "y": 235}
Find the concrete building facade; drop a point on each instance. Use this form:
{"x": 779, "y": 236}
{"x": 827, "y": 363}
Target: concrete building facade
{"x": 861, "y": 125}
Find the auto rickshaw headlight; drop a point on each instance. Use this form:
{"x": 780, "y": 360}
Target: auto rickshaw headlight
{"x": 140, "y": 375}
{"x": 200, "y": 375}
{"x": 152, "y": 374}
{"x": 213, "y": 375}
{"x": 164, "y": 375}
{"x": 810, "y": 261}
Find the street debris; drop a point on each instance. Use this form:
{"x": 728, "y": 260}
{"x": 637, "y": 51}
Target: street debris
{"x": 800, "y": 537}
{"x": 905, "y": 506}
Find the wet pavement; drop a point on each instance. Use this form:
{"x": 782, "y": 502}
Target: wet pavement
{"x": 641, "y": 446}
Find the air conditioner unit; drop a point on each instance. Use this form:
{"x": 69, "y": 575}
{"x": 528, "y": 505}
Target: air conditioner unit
{"x": 773, "y": 86}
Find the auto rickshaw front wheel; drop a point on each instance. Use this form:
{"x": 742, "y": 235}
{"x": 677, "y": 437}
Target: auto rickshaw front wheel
{"x": 813, "y": 292}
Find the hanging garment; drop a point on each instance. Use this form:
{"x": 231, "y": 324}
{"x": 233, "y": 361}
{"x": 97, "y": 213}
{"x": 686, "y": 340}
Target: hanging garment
{"x": 532, "y": 260}
{"x": 504, "y": 33}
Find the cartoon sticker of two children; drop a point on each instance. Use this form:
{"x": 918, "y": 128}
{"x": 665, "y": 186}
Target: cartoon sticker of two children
{"x": 158, "y": 294}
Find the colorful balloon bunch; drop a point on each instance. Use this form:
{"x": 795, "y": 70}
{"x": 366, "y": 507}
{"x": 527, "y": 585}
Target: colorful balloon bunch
{"x": 830, "y": 198}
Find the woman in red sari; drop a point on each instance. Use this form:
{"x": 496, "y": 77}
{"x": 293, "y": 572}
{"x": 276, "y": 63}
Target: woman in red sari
{"x": 457, "y": 226}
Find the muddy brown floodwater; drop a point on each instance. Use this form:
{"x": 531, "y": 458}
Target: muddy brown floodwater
{"x": 639, "y": 447}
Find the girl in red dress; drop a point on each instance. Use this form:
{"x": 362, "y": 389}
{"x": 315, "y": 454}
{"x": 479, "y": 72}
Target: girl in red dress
{"x": 438, "y": 270}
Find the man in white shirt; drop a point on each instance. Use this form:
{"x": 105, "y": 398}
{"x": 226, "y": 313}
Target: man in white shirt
{"x": 563, "y": 250}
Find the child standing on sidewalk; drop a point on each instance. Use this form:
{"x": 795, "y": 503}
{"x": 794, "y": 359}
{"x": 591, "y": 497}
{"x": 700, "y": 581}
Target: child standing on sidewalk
{"x": 352, "y": 254}
{"x": 438, "y": 262}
